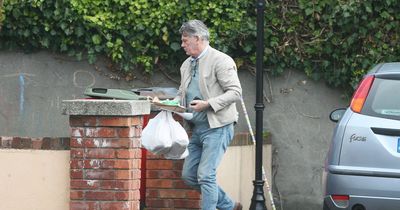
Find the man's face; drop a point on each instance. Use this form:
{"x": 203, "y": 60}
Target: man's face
{"x": 191, "y": 45}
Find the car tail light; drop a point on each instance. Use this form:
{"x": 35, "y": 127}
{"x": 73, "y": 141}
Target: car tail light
{"x": 359, "y": 97}
{"x": 341, "y": 201}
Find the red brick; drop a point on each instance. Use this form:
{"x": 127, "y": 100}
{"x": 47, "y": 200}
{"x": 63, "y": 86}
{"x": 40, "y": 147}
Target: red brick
{"x": 100, "y": 153}
{"x": 178, "y": 164}
{"x": 114, "y": 185}
{"x": 159, "y": 183}
{"x": 152, "y": 193}
{"x": 100, "y": 174}
{"x": 135, "y": 142}
{"x": 163, "y": 174}
{"x": 127, "y": 174}
{"x": 114, "y": 121}
{"x": 76, "y": 195}
{"x": 76, "y": 164}
{"x": 180, "y": 184}
{"x": 100, "y": 195}
{"x": 127, "y": 195}
{"x": 121, "y": 163}
{"x": 130, "y": 153}
{"x": 76, "y": 153}
{"x": 6, "y": 141}
{"x": 159, "y": 203}
{"x": 112, "y": 163}
{"x": 84, "y": 184}
{"x": 193, "y": 194}
{"x": 37, "y": 143}
{"x": 76, "y": 142}
{"x": 135, "y": 184}
{"x": 151, "y": 174}
{"x": 123, "y": 174}
{"x": 120, "y": 184}
{"x": 130, "y": 132}
{"x": 103, "y": 132}
{"x": 159, "y": 164}
{"x": 136, "y": 174}
{"x": 137, "y": 120}
{"x": 147, "y": 208}
{"x": 150, "y": 155}
{"x": 92, "y": 164}
{"x": 136, "y": 163}
{"x": 186, "y": 203}
{"x": 21, "y": 143}
{"x": 172, "y": 193}
{"x": 113, "y": 174}
{"x": 122, "y": 205}
{"x": 77, "y": 132}
{"x": 82, "y": 121}
{"x": 110, "y": 143}
{"x": 55, "y": 143}
{"x": 84, "y": 205}
{"x": 76, "y": 174}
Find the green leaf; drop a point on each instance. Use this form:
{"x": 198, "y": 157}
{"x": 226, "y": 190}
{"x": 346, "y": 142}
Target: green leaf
{"x": 368, "y": 8}
{"x": 98, "y": 48}
{"x": 96, "y": 39}
{"x": 109, "y": 44}
{"x": 79, "y": 31}
{"x": 309, "y": 11}
{"x": 45, "y": 42}
{"x": 247, "y": 48}
{"x": 124, "y": 33}
{"x": 175, "y": 46}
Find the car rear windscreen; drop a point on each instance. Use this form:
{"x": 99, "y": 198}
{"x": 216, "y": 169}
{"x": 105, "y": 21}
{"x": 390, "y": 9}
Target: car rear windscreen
{"x": 383, "y": 99}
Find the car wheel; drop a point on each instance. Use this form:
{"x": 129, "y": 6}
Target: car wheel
{"x": 326, "y": 207}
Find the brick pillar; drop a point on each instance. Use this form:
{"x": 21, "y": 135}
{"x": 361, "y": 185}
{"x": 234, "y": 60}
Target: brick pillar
{"x": 105, "y": 153}
{"x": 164, "y": 187}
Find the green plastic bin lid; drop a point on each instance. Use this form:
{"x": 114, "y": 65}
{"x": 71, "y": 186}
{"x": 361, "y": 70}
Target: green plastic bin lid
{"x": 113, "y": 94}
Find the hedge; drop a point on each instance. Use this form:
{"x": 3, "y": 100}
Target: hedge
{"x": 337, "y": 41}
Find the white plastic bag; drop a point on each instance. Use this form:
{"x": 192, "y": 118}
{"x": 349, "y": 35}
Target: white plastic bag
{"x": 164, "y": 136}
{"x": 180, "y": 141}
{"x": 155, "y": 136}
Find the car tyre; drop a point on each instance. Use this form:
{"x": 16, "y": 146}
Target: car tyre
{"x": 325, "y": 207}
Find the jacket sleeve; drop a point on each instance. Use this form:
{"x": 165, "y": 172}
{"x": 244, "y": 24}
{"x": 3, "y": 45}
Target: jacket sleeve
{"x": 227, "y": 77}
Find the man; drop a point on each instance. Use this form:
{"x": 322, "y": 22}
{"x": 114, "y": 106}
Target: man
{"x": 209, "y": 88}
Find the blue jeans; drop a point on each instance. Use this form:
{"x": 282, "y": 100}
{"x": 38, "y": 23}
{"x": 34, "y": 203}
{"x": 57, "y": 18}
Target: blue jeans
{"x": 206, "y": 148}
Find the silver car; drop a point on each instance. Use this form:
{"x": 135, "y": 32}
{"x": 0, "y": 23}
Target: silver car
{"x": 362, "y": 168}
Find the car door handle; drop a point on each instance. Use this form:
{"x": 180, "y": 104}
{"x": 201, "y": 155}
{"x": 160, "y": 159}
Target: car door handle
{"x": 386, "y": 131}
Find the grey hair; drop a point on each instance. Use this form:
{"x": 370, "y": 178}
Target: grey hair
{"x": 195, "y": 28}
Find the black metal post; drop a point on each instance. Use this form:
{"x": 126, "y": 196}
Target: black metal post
{"x": 258, "y": 199}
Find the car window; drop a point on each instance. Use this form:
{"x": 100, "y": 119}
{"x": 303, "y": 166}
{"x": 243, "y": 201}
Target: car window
{"x": 383, "y": 100}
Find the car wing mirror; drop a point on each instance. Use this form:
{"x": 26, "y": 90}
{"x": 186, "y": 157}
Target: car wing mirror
{"x": 337, "y": 114}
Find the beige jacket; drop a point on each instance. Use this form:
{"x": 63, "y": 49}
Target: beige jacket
{"x": 219, "y": 84}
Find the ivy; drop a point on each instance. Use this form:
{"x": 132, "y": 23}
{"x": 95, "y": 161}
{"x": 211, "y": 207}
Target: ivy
{"x": 1, "y": 13}
{"x": 337, "y": 41}
{"x": 334, "y": 40}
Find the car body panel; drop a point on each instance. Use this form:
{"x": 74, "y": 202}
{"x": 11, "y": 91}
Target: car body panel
{"x": 335, "y": 147}
{"x": 361, "y": 145}
{"x": 375, "y": 193}
{"x": 363, "y": 160}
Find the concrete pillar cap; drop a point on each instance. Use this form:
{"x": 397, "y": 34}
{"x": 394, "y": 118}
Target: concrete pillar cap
{"x": 106, "y": 107}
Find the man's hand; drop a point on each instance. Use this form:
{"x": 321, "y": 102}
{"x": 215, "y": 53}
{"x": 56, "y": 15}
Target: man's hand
{"x": 199, "y": 105}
